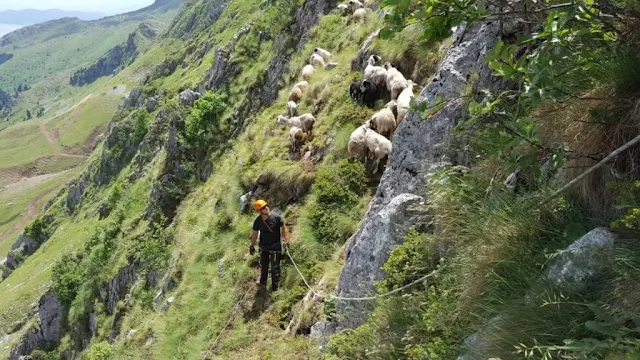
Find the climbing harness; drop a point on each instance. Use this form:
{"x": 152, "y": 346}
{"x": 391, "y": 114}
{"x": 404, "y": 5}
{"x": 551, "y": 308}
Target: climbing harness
{"x": 365, "y": 298}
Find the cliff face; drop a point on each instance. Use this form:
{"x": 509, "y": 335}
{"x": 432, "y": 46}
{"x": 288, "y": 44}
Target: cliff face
{"x": 420, "y": 146}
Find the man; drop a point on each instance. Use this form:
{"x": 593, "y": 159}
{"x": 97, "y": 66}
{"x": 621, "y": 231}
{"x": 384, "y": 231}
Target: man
{"x": 271, "y": 229}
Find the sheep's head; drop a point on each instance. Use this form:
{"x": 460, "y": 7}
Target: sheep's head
{"x": 366, "y": 85}
{"x": 389, "y": 65}
{"x": 410, "y": 83}
{"x": 281, "y": 120}
{"x": 392, "y": 105}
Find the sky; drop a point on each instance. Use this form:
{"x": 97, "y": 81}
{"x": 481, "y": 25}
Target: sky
{"x": 107, "y": 6}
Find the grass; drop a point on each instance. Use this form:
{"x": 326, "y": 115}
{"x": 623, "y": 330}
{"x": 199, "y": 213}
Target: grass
{"x": 23, "y": 144}
{"x": 14, "y": 205}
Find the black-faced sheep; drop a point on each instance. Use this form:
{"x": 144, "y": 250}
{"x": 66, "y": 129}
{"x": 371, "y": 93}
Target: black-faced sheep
{"x": 396, "y": 82}
{"x": 384, "y": 121}
{"x": 292, "y": 108}
{"x": 304, "y": 122}
{"x": 323, "y": 53}
{"x": 355, "y": 5}
{"x": 377, "y": 74}
{"x": 317, "y": 60}
{"x": 307, "y": 72}
{"x": 365, "y": 92}
{"x": 404, "y": 101}
{"x": 296, "y": 138}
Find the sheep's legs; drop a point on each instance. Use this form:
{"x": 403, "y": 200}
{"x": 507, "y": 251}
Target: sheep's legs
{"x": 376, "y": 166}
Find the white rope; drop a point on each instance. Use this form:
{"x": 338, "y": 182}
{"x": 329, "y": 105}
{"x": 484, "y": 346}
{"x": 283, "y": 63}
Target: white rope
{"x": 366, "y": 298}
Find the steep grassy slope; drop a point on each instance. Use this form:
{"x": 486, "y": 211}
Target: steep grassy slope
{"x": 147, "y": 248}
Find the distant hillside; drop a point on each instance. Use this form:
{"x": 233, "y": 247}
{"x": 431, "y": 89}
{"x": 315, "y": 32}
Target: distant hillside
{"x": 7, "y": 28}
{"x": 32, "y": 16}
{"x": 57, "y": 48}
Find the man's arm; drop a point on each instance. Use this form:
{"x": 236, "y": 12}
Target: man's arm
{"x": 254, "y": 238}
{"x": 285, "y": 233}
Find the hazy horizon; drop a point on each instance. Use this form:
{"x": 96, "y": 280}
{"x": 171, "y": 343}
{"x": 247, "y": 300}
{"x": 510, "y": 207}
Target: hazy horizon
{"x": 108, "y": 7}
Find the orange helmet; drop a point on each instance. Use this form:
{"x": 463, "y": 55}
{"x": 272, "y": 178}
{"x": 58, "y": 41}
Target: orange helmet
{"x": 258, "y": 205}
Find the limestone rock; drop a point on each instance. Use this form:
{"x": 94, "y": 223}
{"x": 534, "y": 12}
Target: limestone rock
{"x": 118, "y": 287}
{"x": 360, "y": 62}
{"x": 168, "y": 303}
{"x": 48, "y": 331}
{"x": 151, "y": 104}
{"x": 188, "y": 97}
{"x": 420, "y": 147}
{"x": 322, "y": 331}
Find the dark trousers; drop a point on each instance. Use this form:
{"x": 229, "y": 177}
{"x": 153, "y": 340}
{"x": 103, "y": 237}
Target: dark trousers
{"x": 270, "y": 258}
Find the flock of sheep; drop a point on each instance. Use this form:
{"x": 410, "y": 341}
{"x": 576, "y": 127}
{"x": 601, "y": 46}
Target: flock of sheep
{"x": 380, "y": 82}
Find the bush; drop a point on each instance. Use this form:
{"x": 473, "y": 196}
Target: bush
{"x": 204, "y": 126}
{"x": 337, "y": 190}
{"x": 141, "y": 126}
{"x": 67, "y": 277}
{"x": 99, "y": 351}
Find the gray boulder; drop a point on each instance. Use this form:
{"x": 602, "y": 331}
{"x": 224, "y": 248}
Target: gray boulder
{"x": 420, "y": 147}
{"x": 189, "y": 97}
{"x": 322, "y": 331}
{"x": 151, "y": 104}
{"x": 47, "y": 332}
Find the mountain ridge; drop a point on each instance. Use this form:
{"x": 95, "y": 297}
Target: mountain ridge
{"x": 35, "y": 16}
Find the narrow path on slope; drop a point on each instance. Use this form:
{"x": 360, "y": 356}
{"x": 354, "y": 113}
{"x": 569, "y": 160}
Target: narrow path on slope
{"x": 32, "y": 211}
{"x": 51, "y": 138}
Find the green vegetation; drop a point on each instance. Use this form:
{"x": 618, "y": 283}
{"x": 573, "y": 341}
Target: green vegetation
{"x": 174, "y": 217}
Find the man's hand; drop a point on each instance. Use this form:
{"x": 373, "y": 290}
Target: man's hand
{"x": 252, "y": 250}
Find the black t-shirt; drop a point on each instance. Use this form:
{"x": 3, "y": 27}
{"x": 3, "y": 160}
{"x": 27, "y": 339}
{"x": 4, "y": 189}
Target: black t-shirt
{"x": 269, "y": 230}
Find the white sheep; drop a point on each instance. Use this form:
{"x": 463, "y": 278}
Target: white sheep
{"x": 357, "y": 146}
{"x": 396, "y": 82}
{"x": 379, "y": 145}
{"x": 359, "y": 15}
{"x": 295, "y": 95}
{"x": 376, "y": 74}
{"x": 296, "y": 137}
{"x": 322, "y": 52}
{"x": 343, "y": 9}
{"x": 307, "y": 72}
{"x": 304, "y": 122}
{"x": 384, "y": 121}
{"x": 404, "y": 101}
{"x": 303, "y": 85}
{"x": 292, "y": 108}
{"x": 355, "y": 5}
{"x": 317, "y": 60}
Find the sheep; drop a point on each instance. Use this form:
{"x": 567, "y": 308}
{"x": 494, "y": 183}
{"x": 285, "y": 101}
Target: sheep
{"x": 379, "y": 145}
{"x": 322, "y": 52}
{"x": 296, "y": 137}
{"x": 295, "y": 95}
{"x": 377, "y": 74}
{"x": 404, "y": 101}
{"x": 317, "y": 60}
{"x": 307, "y": 72}
{"x": 302, "y": 85}
{"x": 396, "y": 82}
{"x": 365, "y": 92}
{"x": 384, "y": 121}
{"x": 343, "y": 9}
{"x": 359, "y": 15}
{"x": 355, "y": 5}
{"x": 304, "y": 121}
{"x": 356, "y": 145}
{"x": 292, "y": 108}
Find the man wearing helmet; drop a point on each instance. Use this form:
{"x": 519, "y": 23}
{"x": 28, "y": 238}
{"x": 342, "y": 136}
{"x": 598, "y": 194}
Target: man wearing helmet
{"x": 271, "y": 229}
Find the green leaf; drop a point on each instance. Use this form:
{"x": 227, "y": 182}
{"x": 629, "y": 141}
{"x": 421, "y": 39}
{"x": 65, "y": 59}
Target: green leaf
{"x": 386, "y": 33}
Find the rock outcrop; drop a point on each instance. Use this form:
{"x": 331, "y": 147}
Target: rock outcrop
{"x": 118, "y": 287}
{"x": 222, "y": 71}
{"x": 27, "y": 243}
{"x": 570, "y": 272}
{"x": 111, "y": 63}
{"x": 189, "y": 97}
{"x": 420, "y": 146}
{"x": 46, "y": 333}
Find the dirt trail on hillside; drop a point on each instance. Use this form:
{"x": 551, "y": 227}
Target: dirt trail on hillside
{"x": 51, "y": 139}
{"x": 32, "y": 211}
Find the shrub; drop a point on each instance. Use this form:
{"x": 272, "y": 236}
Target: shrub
{"x": 141, "y": 126}
{"x": 67, "y": 276}
{"x": 203, "y": 126}
{"x": 99, "y": 351}
{"x": 337, "y": 190}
